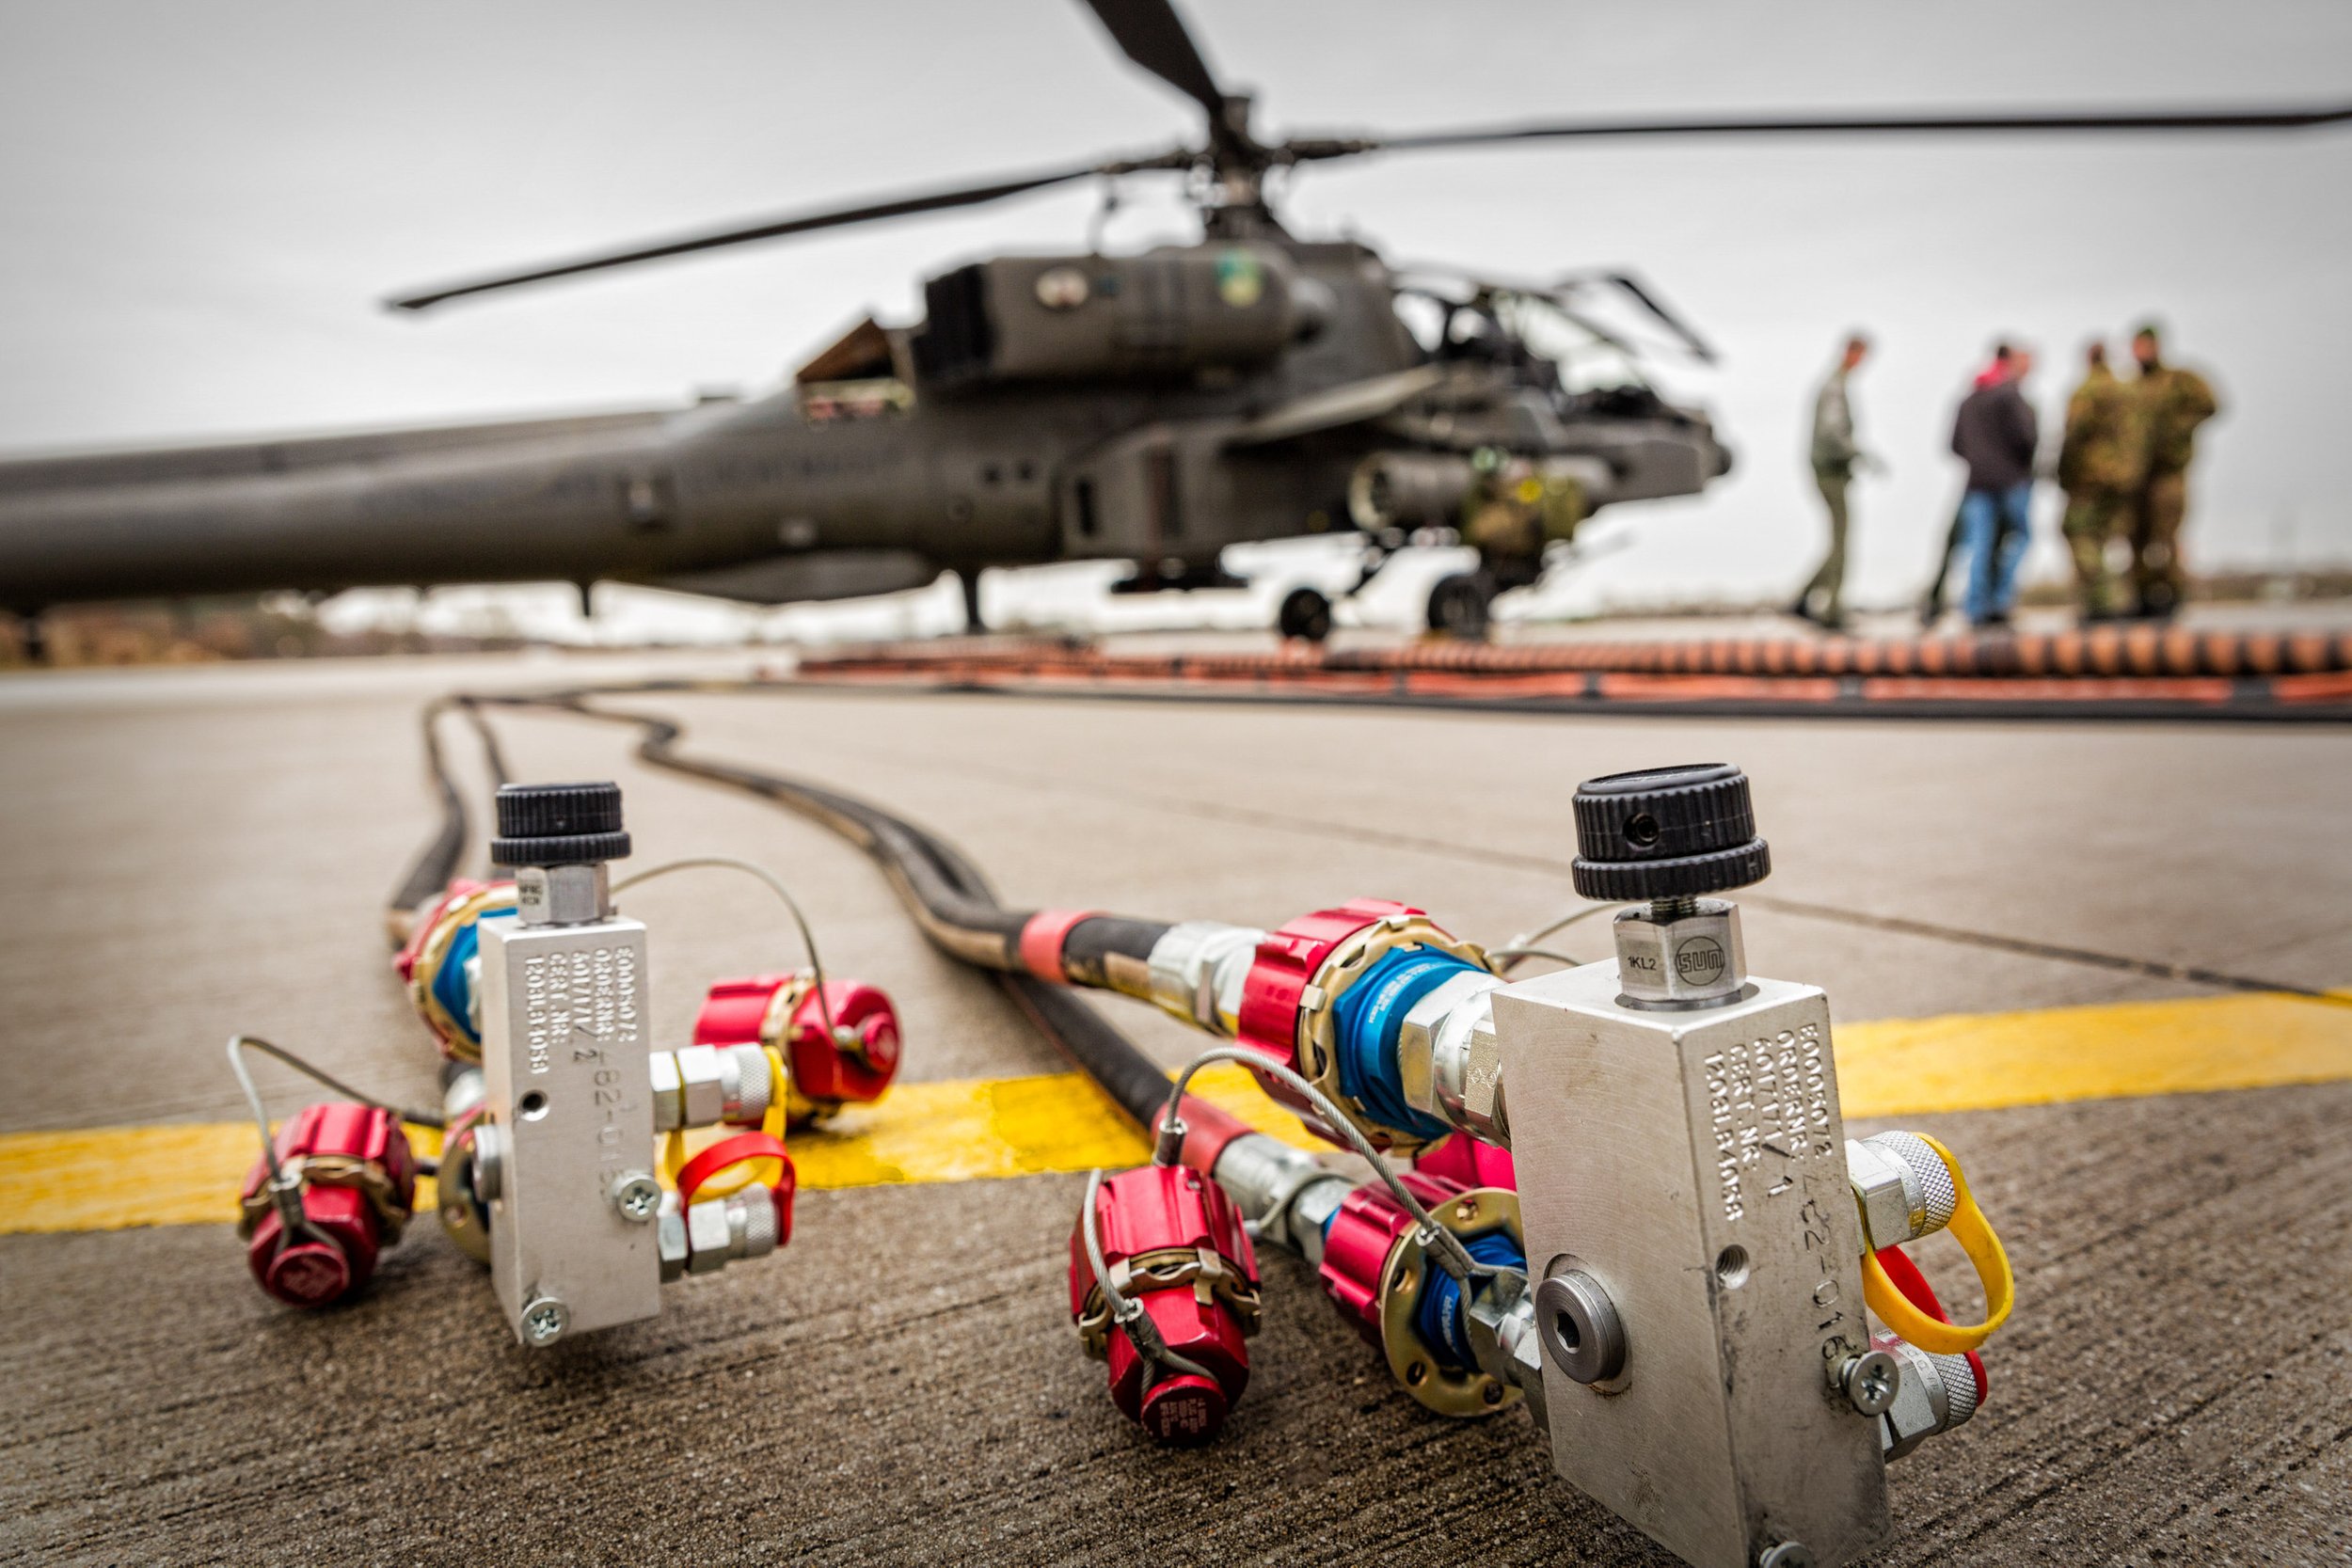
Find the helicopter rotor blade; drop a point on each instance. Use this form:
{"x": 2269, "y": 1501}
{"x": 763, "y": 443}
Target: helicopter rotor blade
{"x": 1151, "y": 34}
{"x": 802, "y": 223}
{"x": 2243, "y": 117}
{"x": 1649, "y": 300}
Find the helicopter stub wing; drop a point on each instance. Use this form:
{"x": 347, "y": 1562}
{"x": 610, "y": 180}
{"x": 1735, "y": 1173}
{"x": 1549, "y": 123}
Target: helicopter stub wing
{"x": 1350, "y": 403}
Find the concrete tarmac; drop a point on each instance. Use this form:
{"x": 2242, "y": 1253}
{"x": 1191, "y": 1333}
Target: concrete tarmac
{"x": 197, "y": 851}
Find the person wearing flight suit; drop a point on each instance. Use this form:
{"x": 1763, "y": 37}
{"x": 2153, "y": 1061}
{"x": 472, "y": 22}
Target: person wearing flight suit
{"x": 2172, "y": 403}
{"x": 2100, "y": 462}
{"x": 1836, "y": 455}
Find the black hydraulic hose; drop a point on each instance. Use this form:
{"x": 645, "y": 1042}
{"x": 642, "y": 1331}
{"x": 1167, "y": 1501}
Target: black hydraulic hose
{"x": 958, "y": 913}
{"x": 439, "y": 861}
{"x": 1132, "y": 1079}
{"x": 1112, "y": 953}
{"x": 949, "y": 896}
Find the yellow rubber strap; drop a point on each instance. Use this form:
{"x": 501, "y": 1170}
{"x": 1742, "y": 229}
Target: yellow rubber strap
{"x": 779, "y": 1113}
{"x": 1974, "y": 1233}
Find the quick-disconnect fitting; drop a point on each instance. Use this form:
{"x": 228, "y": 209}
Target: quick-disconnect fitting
{"x": 466, "y": 1172}
{"x": 1376, "y": 1268}
{"x": 441, "y": 964}
{"x": 703, "y": 1238}
{"x": 1175, "y": 1249}
{"x": 346, "y": 1188}
{"x": 840, "y": 1047}
{"x": 1337, "y": 994}
{"x": 1933, "y": 1394}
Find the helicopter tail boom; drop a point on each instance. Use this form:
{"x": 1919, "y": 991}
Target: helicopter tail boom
{"x": 458, "y": 506}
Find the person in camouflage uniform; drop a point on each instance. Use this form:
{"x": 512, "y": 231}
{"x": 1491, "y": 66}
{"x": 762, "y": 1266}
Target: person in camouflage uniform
{"x": 1836, "y": 455}
{"x": 2170, "y": 403}
{"x": 1513, "y": 512}
{"x": 2100, "y": 464}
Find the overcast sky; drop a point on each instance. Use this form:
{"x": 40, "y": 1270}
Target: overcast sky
{"x": 204, "y": 203}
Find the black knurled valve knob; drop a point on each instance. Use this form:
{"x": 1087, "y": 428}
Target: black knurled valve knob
{"x": 1666, "y": 834}
{"x": 559, "y": 824}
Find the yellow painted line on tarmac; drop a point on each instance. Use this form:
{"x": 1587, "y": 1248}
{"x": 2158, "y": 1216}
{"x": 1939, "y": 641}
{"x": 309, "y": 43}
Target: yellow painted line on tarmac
{"x": 964, "y": 1129}
{"x": 2115, "y": 1051}
{"x": 955, "y": 1130}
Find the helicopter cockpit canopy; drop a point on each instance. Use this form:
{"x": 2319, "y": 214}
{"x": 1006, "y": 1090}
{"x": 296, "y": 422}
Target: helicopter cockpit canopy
{"x": 857, "y": 376}
{"x": 1563, "y": 338}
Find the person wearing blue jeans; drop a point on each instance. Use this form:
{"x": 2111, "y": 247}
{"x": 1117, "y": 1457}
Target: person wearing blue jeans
{"x": 1995, "y": 528}
{"x": 1996, "y": 433}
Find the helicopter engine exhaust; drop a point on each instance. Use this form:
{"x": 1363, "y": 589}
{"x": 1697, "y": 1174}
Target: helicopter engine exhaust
{"x": 1408, "y": 489}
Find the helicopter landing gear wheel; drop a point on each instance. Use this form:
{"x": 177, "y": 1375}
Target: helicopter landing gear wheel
{"x": 1459, "y": 606}
{"x": 1306, "y": 614}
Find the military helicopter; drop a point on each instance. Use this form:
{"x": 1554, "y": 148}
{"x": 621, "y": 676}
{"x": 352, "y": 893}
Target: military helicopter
{"x": 1151, "y": 408}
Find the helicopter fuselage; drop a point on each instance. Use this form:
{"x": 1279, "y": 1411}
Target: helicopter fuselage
{"x": 1153, "y": 408}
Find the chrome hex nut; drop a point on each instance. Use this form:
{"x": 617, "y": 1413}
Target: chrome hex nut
{"x": 1481, "y": 1087}
{"x": 669, "y": 1109}
{"x": 669, "y": 1229}
{"x": 1881, "y": 1192}
{"x": 702, "y": 1085}
{"x": 1693, "y": 957}
{"x": 1922, "y": 1407}
{"x": 709, "y": 1237}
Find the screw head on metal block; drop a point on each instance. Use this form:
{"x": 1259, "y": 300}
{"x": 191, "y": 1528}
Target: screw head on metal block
{"x": 1579, "y": 1327}
{"x": 637, "y": 1195}
{"x": 1785, "y": 1554}
{"x": 544, "y": 1319}
{"x": 1871, "y": 1381}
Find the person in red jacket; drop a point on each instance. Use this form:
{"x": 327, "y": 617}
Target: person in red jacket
{"x": 1932, "y": 607}
{"x": 1997, "y": 435}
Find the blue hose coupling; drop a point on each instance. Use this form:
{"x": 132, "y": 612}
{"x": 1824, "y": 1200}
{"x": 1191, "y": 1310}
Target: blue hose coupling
{"x": 1370, "y": 1019}
{"x": 1413, "y": 1045}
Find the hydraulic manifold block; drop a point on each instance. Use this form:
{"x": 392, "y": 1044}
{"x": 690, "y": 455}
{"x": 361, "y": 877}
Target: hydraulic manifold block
{"x": 549, "y": 1170}
{"x": 567, "y": 1117}
{"x": 1691, "y": 1235}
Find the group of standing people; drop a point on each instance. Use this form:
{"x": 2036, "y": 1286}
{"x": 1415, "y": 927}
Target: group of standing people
{"x": 2122, "y": 462}
{"x": 2125, "y": 468}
